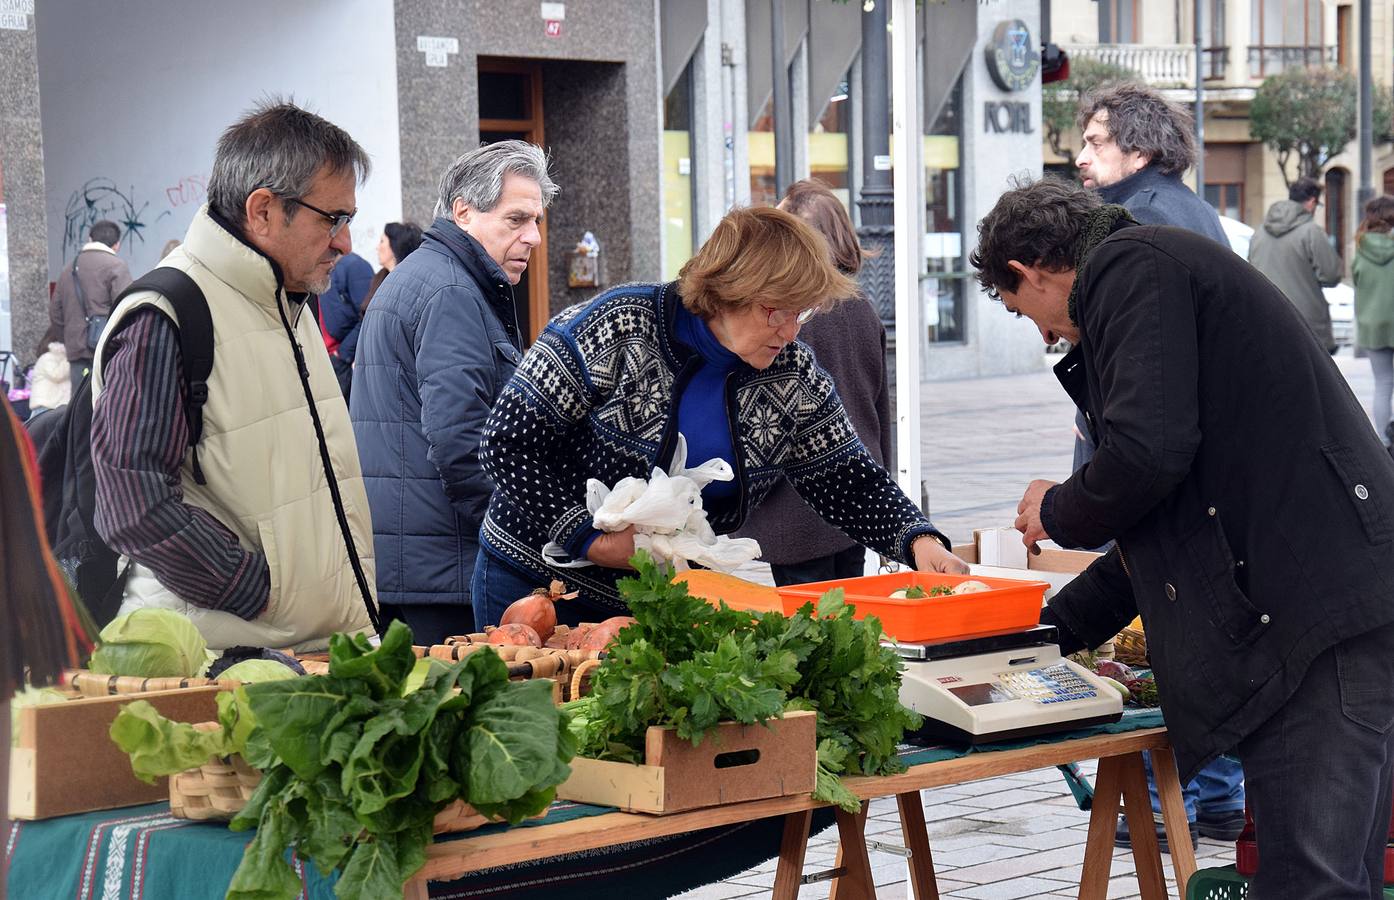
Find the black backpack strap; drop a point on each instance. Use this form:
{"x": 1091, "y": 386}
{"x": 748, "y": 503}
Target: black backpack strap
{"x": 195, "y": 342}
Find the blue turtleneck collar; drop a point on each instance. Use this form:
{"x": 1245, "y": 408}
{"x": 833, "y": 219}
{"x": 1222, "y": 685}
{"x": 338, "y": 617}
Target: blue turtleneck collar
{"x": 695, "y": 333}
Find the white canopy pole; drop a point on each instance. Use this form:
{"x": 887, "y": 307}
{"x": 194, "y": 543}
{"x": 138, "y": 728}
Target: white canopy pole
{"x": 905, "y": 144}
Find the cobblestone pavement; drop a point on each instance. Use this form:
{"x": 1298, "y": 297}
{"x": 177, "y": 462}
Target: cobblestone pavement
{"x": 1017, "y": 836}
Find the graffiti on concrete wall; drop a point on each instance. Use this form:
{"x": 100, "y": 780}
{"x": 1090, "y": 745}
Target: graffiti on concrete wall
{"x": 100, "y": 198}
{"x": 189, "y": 189}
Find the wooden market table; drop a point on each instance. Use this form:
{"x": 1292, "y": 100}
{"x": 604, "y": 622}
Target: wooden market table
{"x": 1120, "y": 779}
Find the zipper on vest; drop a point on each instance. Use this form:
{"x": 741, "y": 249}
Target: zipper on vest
{"x": 1123, "y": 559}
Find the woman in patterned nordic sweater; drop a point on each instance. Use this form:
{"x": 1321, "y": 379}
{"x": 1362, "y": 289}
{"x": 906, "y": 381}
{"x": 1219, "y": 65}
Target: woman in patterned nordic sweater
{"x": 609, "y": 385}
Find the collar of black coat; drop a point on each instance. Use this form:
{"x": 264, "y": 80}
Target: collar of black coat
{"x": 1148, "y": 178}
{"x": 472, "y": 256}
{"x": 1098, "y": 225}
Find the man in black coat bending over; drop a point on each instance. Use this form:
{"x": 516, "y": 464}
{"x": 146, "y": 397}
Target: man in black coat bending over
{"x": 1252, "y": 508}
{"x": 1136, "y": 146}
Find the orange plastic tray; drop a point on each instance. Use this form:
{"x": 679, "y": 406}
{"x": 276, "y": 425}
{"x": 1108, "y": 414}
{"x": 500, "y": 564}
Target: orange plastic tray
{"x": 1011, "y": 605}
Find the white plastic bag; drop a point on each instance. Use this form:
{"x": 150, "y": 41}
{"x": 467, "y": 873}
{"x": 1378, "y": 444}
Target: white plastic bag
{"x": 667, "y": 515}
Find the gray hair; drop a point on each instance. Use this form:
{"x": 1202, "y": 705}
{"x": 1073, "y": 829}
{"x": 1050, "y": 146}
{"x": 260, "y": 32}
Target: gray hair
{"x": 280, "y": 147}
{"x": 477, "y": 176}
{"x": 1141, "y": 120}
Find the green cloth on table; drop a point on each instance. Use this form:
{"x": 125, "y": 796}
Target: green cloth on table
{"x": 143, "y": 853}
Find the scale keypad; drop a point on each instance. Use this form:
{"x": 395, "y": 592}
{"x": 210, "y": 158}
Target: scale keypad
{"x": 1053, "y": 684}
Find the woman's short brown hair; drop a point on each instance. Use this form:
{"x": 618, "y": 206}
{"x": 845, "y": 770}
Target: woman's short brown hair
{"x": 816, "y": 204}
{"x": 761, "y": 255}
{"x": 1379, "y": 217}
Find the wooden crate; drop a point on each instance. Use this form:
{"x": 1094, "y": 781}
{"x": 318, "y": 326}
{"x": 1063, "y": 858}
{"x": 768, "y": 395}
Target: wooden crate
{"x": 65, "y": 761}
{"x": 733, "y": 763}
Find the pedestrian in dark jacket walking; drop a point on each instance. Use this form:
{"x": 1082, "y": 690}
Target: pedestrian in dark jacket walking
{"x": 85, "y": 290}
{"x": 1296, "y": 255}
{"x": 849, "y": 342}
{"x": 1253, "y": 513}
{"x": 438, "y": 343}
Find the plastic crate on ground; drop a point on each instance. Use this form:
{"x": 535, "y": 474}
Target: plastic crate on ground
{"x": 1224, "y": 883}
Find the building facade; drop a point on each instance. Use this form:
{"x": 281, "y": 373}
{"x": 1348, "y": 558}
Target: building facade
{"x": 1243, "y": 42}
{"x": 658, "y": 115}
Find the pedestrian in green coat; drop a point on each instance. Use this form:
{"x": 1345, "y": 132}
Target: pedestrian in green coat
{"x": 1373, "y": 272}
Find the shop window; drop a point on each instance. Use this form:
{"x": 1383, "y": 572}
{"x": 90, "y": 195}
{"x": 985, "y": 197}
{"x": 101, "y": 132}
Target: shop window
{"x": 1286, "y": 34}
{"x": 678, "y": 205}
{"x": 829, "y": 145}
{"x": 760, "y": 145}
{"x": 1225, "y": 167}
{"x": 946, "y": 280}
{"x": 1227, "y": 198}
{"x": 1118, "y": 21}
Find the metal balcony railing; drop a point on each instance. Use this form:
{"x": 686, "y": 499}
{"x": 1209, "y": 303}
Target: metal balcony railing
{"x": 1270, "y": 59}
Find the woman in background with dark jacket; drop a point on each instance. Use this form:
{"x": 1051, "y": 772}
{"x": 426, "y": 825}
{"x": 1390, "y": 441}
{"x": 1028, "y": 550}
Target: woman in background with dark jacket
{"x": 849, "y": 342}
{"x": 397, "y": 241}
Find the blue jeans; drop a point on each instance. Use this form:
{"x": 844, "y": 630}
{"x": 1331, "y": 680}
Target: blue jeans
{"x": 1218, "y": 786}
{"x": 496, "y": 584}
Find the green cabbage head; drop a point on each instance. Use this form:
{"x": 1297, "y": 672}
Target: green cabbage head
{"x": 151, "y": 643}
{"x": 252, "y": 671}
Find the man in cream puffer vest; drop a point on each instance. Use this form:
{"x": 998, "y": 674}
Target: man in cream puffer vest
{"x": 260, "y": 533}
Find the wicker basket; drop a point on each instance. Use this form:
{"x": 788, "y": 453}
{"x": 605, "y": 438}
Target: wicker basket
{"x": 218, "y": 789}
{"x": 90, "y": 684}
{"x": 1130, "y": 647}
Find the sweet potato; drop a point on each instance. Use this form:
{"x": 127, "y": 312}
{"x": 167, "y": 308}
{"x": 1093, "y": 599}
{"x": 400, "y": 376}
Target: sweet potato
{"x": 601, "y": 635}
{"x": 516, "y": 634}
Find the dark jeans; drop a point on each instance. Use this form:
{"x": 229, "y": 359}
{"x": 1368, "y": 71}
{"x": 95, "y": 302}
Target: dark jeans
{"x": 431, "y": 623}
{"x": 849, "y": 563}
{"x": 1318, "y": 776}
{"x": 496, "y": 584}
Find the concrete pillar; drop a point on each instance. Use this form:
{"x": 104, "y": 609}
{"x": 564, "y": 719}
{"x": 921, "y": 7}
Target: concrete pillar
{"x": 22, "y": 169}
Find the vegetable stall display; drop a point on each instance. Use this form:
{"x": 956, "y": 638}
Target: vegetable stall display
{"x": 686, "y": 664}
{"x": 356, "y": 764}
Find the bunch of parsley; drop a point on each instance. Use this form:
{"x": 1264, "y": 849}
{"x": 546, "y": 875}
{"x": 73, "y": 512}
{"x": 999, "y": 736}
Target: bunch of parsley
{"x": 357, "y": 763}
{"x": 687, "y": 664}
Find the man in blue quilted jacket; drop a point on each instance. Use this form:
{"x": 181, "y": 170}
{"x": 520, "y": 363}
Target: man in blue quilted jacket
{"x": 439, "y": 341}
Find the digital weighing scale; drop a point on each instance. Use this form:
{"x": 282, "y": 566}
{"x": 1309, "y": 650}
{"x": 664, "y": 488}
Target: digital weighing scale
{"x": 1001, "y": 687}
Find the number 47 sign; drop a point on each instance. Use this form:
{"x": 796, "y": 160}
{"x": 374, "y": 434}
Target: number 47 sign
{"x": 553, "y": 28}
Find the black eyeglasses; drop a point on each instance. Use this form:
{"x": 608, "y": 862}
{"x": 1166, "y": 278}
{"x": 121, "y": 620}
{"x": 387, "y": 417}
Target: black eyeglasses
{"x": 337, "y": 221}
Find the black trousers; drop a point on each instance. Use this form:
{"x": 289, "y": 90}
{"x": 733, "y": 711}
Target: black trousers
{"x": 1319, "y": 777}
{"x": 849, "y": 563}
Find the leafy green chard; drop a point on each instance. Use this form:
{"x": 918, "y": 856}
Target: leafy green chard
{"x": 357, "y": 763}
{"x": 687, "y": 664}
